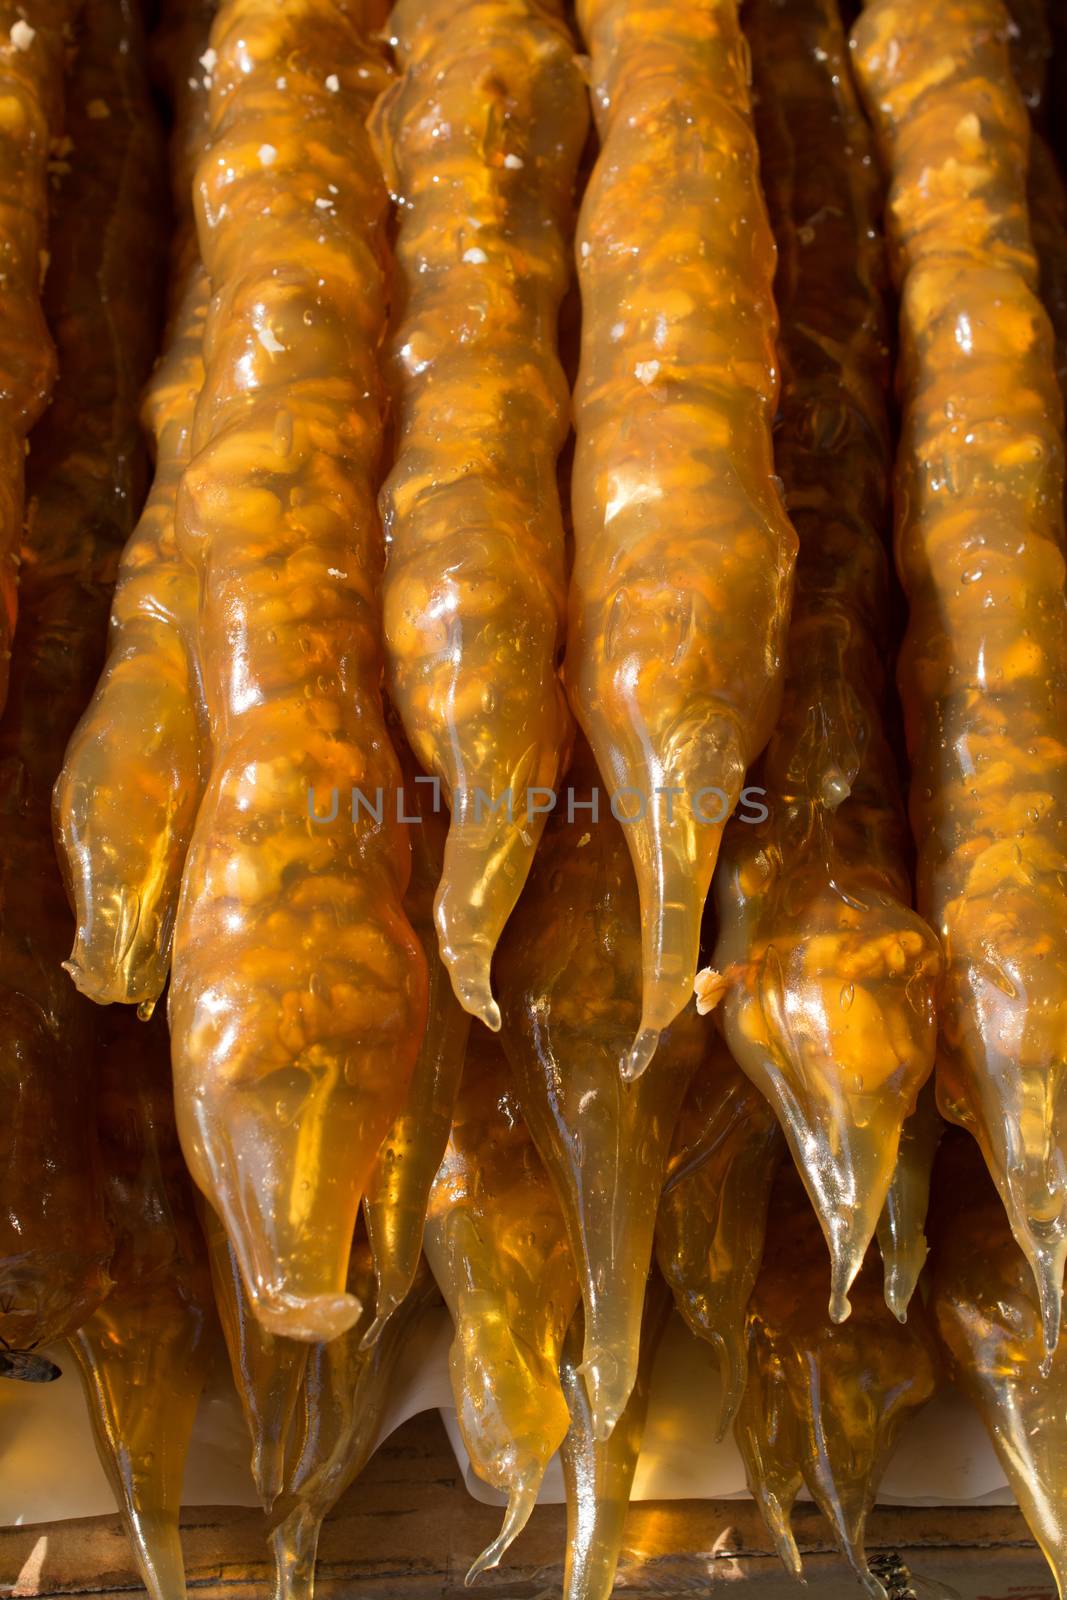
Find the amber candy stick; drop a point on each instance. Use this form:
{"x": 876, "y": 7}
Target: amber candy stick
{"x": 480, "y": 140}
{"x": 832, "y": 975}
{"x": 135, "y": 767}
{"x": 144, "y": 1354}
{"x": 901, "y": 1227}
{"x": 713, "y": 1211}
{"x": 569, "y": 977}
{"x": 345, "y": 1389}
{"x": 497, "y": 1246}
{"x": 399, "y": 1188}
{"x": 298, "y": 995}
{"x": 989, "y": 1320}
{"x": 824, "y": 1402}
{"x": 983, "y": 669}
{"x": 33, "y": 47}
{"x": 599, "y": 1473}
{"x": 87, "y": 476}
{"x": 683, "y": 552}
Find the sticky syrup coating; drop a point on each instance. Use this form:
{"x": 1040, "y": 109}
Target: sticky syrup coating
{"x": 713, "y": 1211}
{"x": 824, "y": 1402}
{"x": 497, "y": 1246}
{"x": 480, "y": 141}
{"x": 569, "y": 978}
{"x": 979, "y": 541}
{"x": 831, "y": 1004}
{"x": 683, "y": 555}
{"x": 87, "y": 477}
{"x": 127, "y": 796}
{"x": 298, "y": 990}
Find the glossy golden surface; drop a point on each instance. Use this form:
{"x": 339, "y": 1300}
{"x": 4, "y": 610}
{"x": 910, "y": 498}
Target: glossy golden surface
{"x": 134, "y": 770}
{"x": 713, "y": 1211}
{"x": 268, "y": 1369}
{"x": 983, "y": 671}
{"x": 988, "y": 1318}
{"x": 298, "y": 994}
{"x": 399, "y": 1187}
{"x": 497, "y": 1246}
{"x": 832, "y": 975}
{"x": 683, "y": 552}
{"x": 902, "y": 1225}
{"x": 32, "y": 54}
{"x": 87, "y": 475}
{"x": 480, "y": 140}
{"x": 824, "y": 1402}
{"x": 598, "y": 1474}
{"x": 144, "y": 1354}
{"x": 345, "y": 1389}
{"x": 569, "y": 978}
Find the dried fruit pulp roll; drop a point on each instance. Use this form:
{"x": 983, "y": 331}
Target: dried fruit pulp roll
{"x": 134, "y": 770}
{"x": 988, "y": 1319}
{"x": 144, "y": 1355}
{"x": 346, "y": 1386}
{"x": 497, "y": 1246}
{"x": 87, "y": 475}
{"x": 569, "y": 976}
{"x": 412, "y": 1150}
{"x": 983, "y": 670}
{"x": 831, "y": 1003}
{"x": 824, "y": 1403}
{"x": 480, "y": 140}
{"x": 598, "y": 1474}
{"x": 298, "y": 993}
{"x": 32, "y": 52}
{"x": 683, "y": 552}
{"x": 713, "y": 1211}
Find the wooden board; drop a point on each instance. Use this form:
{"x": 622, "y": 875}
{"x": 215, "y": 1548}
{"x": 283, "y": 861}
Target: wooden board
{"x": 408, "y": 1529}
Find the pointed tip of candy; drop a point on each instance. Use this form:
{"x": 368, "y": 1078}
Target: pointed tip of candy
{"x": 521, "y": 1501}
{"x": 469, "y": 972}
{"x": 268, "y": 1469}
{"x": 1047, "y": 1266}
{"x": 608, "y": 1391}
{"x": 733, "y": 1375}
{"x": 377, "y": 1327}
{"x": 314, "y": 1318}
{"x": 640, "y": 1054}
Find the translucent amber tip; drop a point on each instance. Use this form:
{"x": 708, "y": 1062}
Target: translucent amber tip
{"x": 521, "y": 1502}
{"x": 1047, "y": 1267}
{"x": 268, "y": 1467}
{"x": 641, "y": 1052}
{"x": 377, "y": 1327}
{"x": 469, "y": 971}
{"x": 607, "y": 1391}
{"x": 316, "y": 1318}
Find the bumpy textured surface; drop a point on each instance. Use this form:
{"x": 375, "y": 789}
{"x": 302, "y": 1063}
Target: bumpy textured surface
{"x": 268, "y": 1369}
{"x": 298, "y": 992}
{"x": 683, "y": 551}
{"x": 598, "y": 1474}
{"x": 569, "y": 976}
{"x": 346, "y": 1386}
{"x": 832, "y": 974}
{"x": 480, "y": 141}
{"x": 988, "y": 1318}
{"x": 145, "y": 1353}
{"x": 135, "y": 767}
{"x": 983, "y": 671}
{"x": 407, "y": 1162}
{"x": 824, "y": 1402}
{"x": 86, "y": 478}
{"x": 496, "y": 1244}
{"x": 33, "y": 37}
{"x": 713, "y": 1211}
